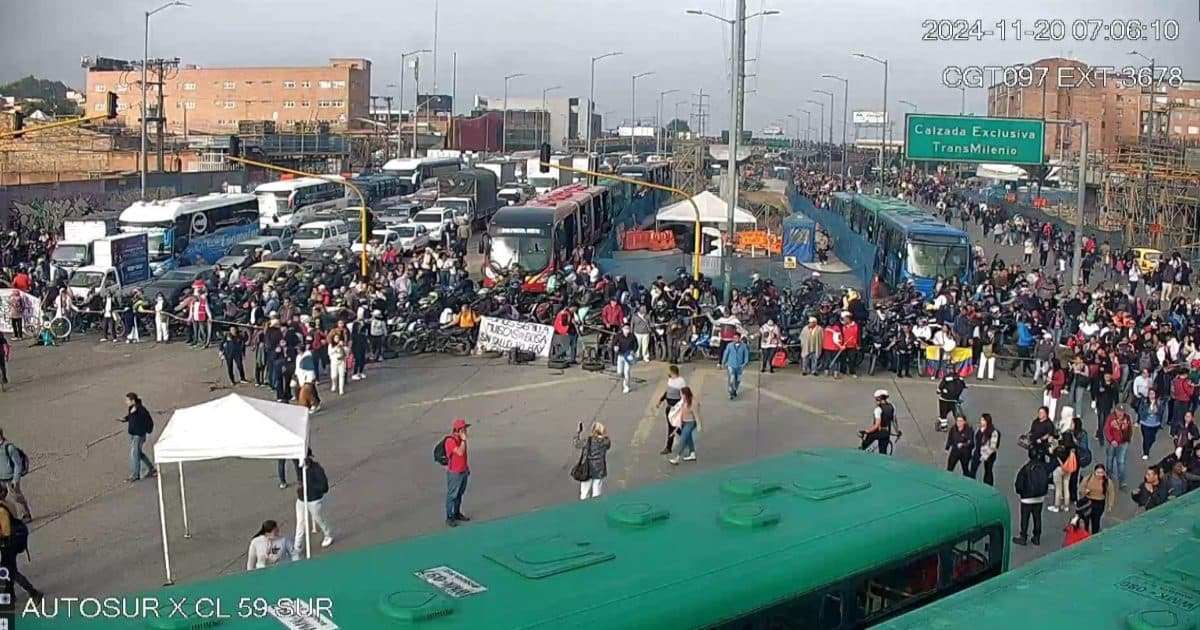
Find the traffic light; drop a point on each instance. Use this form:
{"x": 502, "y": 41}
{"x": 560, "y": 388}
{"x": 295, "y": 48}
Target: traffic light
{"x": 235, "y": 146}
{"x": 18, "y": 123}
{"x": 544, "y": 158}
{"x": 110, "y": 111}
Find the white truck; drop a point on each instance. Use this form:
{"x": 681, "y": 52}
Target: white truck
{"x": 75, "y": 248}
{"x": 121, "y": 263}
{"x": 505, "y": 170}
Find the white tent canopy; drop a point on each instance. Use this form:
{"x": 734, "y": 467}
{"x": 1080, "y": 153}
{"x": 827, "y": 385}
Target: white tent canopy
{"x": 1002, "y": 172}
{"x": 233, "y": 426}
{"x": 713, "y": 209}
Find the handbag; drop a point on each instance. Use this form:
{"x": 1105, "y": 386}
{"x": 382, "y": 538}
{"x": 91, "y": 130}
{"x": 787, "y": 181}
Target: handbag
{"x": 1071, "y": 465}
{"x": 580, "y": 471}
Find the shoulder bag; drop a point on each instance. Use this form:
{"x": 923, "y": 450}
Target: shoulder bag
{"x": 580, "y": 471}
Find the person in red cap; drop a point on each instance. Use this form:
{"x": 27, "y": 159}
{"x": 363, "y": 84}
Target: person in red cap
{"x": 457, "y": 472}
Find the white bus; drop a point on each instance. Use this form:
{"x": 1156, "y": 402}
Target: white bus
{"x": 184, "y": 229}
{"x": 416, "y": 170}
{"x": 294, "y": 202}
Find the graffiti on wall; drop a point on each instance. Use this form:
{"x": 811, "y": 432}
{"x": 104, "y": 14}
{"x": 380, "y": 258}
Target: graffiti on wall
{"x": 49, "y": 214}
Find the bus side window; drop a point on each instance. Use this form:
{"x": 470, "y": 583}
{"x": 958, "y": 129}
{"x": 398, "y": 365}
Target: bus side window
{"x": 885, "y": 592}
{"x": 973, "y": 559}
{"x": 562, "y": 245}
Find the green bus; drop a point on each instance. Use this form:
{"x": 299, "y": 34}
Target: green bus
{"x": 818, "y": 539}
{"x": 1140, "y": 575}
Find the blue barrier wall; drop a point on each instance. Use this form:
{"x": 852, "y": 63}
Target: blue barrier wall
{"x": 850, "y": 248}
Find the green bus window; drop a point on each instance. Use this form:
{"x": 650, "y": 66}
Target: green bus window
{"x": 976, "y": 556}
{"x": 814, "y": 611}
{"x": 885, "y": 592}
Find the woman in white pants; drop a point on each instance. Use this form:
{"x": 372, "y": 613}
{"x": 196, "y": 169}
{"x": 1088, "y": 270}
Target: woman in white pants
{"x": 161, "y": 321}
{"x": 337, "y": 364}
{"x": 594, "y": 452}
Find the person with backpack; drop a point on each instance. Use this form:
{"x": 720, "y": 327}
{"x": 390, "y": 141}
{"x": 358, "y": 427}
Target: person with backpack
{"x": 14, "y": 540}
{"x": 318, "y": 487}
{"x": 140, "y": 425}
{"x": 1032, "y": 484}
{"x": 13, "y": 465}
{"x": 451, "y": 452}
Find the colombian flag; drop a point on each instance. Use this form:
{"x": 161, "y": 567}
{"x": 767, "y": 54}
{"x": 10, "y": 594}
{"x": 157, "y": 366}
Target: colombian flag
{"x": 960, "y": 359}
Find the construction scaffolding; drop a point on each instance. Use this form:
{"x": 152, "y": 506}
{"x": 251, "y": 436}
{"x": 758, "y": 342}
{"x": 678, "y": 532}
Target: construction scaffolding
{"x": 687, "y": 165}
{"x": 1153, "y": 191}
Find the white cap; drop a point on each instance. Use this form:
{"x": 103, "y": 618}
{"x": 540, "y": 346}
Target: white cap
{"x": 881, "y": 393}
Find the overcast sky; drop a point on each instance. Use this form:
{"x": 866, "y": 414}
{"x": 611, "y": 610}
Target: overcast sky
{"x": 551, "y": 41}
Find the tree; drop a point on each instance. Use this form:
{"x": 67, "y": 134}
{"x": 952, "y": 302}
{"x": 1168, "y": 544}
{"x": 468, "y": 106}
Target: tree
{"x": 678, "y": 126}
{"x": 1039, "y": 174}
{"x": 52, "y": 94}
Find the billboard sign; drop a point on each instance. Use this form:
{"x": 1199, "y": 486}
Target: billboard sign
{"x": 640, "y": 132}
{"x": 868, "y": 118}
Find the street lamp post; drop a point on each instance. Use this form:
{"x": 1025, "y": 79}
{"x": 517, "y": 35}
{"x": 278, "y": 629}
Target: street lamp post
{"x": 541, "y": 127}
{"x": 962, "y": 108}
{"x": 1151, "y": 123}
{"x": 737, "y": 94}
{"x": 883, "y": 129}
{"x": 676, "y": 132}
{"x": 145, "y": 162}
{"x": 591, "y": 104}
{"x": 504, "y": 134}
{"x": 658, "y": 126}
{"x": 845, "y": 119}
{"x": 633, "y": 110}
{"x": 400, "y": 117}
{"x": 829, "y": 166}
{"x": 821, "y": 128}
{"x": 807, "y": 129}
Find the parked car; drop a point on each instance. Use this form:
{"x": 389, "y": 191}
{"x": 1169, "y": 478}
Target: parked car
{"x": 176, "y": 283}
{"x": 285, "y": 233}
{"x": 318, "y": 234}
{"x": 271, "y": 271}
{"x": 436, "y": 220}
{"x": 412, "y": 237}
{"x": 380, "y": 238}
{"x": 247, "y": 252}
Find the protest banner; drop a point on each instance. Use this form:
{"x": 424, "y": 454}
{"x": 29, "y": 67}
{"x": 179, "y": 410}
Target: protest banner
{"x": 500, "y": 335}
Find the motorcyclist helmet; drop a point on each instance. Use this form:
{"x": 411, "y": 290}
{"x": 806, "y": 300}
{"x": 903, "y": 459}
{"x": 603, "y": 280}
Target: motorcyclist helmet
{"x": 881, "y": 393}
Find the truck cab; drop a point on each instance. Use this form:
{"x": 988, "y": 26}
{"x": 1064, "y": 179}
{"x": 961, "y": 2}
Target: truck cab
{"x": 89, "y": 280}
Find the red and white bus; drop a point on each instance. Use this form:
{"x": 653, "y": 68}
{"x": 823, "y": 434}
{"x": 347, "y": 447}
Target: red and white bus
{"x": 548, "y": 231}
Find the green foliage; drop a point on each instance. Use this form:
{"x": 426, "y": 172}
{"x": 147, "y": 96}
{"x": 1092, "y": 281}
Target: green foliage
{"x": 677, "y": 126}
{"x": 52, "y": 93}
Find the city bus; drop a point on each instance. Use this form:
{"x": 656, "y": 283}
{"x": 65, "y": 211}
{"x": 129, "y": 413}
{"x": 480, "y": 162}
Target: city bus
{"x": 910, "y": 245}
{"x": 382, "y": 189}
{"x": 413, "y": 171}
{"x": 194, "y": 229}
{"x": 547, "y": 231}
{"x": 1139, "y": 574}
{"x": 820, "y": 539}
{"x": 294, "y": 201}
{"x": 651, "y": 172}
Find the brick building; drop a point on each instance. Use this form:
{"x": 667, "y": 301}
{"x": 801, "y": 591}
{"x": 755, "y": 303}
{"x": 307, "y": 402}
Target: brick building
{"x": 213, "y": 100}
{"x": 1116, "y": 114}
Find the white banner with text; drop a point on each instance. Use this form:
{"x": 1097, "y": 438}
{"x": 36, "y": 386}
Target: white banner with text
{"x": 500, "y": 335}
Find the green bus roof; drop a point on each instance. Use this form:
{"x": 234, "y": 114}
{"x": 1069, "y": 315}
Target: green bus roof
{"x": 685, "y": 553}
{"x": 1141, "y": 574}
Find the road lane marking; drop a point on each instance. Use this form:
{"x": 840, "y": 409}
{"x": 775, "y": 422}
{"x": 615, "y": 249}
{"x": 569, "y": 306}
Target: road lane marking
{"x": 802, "y": 406}
{"x": 496, "y": 392}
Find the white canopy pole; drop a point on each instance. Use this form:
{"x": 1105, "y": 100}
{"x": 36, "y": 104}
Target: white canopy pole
{"x": 162, "y": 519}
{"x": 307, "y": 529}
{"x": 187, "y": 531}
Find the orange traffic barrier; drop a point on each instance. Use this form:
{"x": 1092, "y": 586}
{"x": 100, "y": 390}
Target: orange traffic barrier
{"x": 637, "y": 240}
{"x": 648, "y": 240}
{"x": 757, "y": 239}
{"x": 662, "y": 241}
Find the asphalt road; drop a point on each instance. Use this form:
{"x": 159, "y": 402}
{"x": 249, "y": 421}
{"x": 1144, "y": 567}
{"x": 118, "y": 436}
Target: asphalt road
{"x": 96, "y": 534}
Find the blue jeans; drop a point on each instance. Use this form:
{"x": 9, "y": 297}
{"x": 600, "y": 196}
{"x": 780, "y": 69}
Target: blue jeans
{"x": 136, "y": 456}
{"x": 456, "y": 485}
{"x": 1115, "y": 462}
{"x": 625, "y": 370}
{"x": 687, "y": 441}
{"x": 735, "y": 379}
{"x": 281, "y": 470}
{"x": 810, "y": 362}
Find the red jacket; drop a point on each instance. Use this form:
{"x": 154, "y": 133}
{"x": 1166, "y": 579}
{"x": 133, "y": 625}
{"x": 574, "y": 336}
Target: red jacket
{"x": 829, "y": 338}
{"x": 1057, "y": 380}
{"x": 1115, "y": 433}
{"x": 613, "y": 316}
{"x": 850, "y": 339}
{"x": 562, "y": 322}
{"x": 1182, "y": 389}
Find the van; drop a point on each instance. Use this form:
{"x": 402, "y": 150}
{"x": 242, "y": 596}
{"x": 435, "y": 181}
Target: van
{"x": 322, "y": 235}
{"x": 1147, "y": 259}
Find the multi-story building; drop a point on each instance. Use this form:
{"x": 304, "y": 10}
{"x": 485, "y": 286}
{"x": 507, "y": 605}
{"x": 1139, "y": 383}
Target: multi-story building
{"x": 1116, "y": 112}
{"x": 213, "y": 100}
{"x": 557, "y": 121}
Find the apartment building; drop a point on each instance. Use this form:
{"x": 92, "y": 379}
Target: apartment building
{"x": 1116, "y": 113}
{"x": 213, "y": 100}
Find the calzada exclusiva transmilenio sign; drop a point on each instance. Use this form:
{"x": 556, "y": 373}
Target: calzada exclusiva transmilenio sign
{"x": 974, "y": 139}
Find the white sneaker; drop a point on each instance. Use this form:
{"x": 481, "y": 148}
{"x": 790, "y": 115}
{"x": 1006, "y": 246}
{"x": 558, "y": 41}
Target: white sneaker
{"x": 327, "y": 541}
{"x": 282, "y": 486}
{"x": 1053, "y": 508}
{"x": 674, "y": 460}
{"x": 690, "y": 458}
{"x": 1145, "y": 457}
{"x": 625, "y": 389}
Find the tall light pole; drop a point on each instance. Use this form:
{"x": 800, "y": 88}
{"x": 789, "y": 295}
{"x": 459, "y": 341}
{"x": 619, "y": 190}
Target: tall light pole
{"x": 591, "y": 104}
{"x": 1150, "y": 117}
{"x": 796, "y": 135}
{"x": 830, "y": 160}
{"x": 737, "y": 95}
{"x": 633, "y": 110}
{"x": 504, "y": 134}
{"x": 883, "y": 129}
{"x": 845, "y": 119}
{"x": 541, "y": 127}
{"x": 145, "y": 62}
{"x": 821, "y": 128}
{"x": 400, "y": 118}
{"x": 676, "y": 133}
{"x": 807, "y": 128}
{"x": 962, "y": 108}
{"x": 658, "y": 126}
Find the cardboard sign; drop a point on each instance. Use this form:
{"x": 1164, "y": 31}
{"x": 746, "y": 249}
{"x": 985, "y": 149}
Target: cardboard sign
{"x": 31, "y": 320}
{"x": 500, "y": 335}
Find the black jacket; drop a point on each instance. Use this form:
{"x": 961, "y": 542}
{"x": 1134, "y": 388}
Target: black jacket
{"x": 951, "y": 389}
{"x": 1032, "y": 481}
{"x": 625, "y": 344}
{"x": 139, "y": 421}
{"x": 318, "y": 483}
{"x": 959, "y": 439}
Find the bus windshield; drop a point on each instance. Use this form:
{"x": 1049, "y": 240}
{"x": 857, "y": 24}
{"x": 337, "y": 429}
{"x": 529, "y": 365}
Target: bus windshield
{"x": 930, "y": 260}
{"x": 531, "y": 252}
